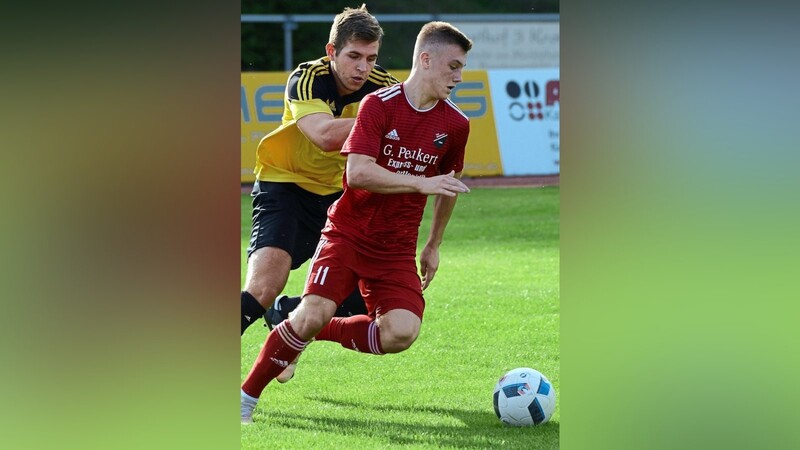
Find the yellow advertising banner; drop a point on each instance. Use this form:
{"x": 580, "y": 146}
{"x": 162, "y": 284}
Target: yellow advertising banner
{"x": 473, "y": 97}
{"x": 262, "y": 108}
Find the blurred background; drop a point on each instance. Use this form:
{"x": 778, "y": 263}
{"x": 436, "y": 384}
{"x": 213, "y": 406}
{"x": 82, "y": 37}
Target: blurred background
{"x": 262, "y": 43}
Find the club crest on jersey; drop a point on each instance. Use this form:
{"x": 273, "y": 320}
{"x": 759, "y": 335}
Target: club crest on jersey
{"x": 439, "y": 139}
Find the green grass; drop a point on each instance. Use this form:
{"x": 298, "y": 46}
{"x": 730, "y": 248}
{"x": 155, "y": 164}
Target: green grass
{"x": 493, "y": 306}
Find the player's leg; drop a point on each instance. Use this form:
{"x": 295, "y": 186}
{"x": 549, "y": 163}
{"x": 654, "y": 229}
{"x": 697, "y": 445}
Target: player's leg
{"x": 392, "y": 332}
{"x": 399, "y": 329}
{"x": 272, "y": 241}
{"x": 328, "y": 278}
{"x": 267, "y": 272}
{"x": 310, "y": 213}
{"x": 284, "y": 343}
{"x": 353, "y": 305}
{"x": 395, "y": 298}
{"x": 284, "y": 305}
{"x": 400, "y": 306}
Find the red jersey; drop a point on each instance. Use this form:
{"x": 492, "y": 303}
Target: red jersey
{"x": 403, "y": 140}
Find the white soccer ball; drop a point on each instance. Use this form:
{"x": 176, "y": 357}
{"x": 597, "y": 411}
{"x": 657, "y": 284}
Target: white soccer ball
{"x": 524, "y": 397}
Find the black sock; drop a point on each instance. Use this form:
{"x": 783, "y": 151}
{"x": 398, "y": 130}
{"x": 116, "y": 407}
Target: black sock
{"x": 251, "y": 310}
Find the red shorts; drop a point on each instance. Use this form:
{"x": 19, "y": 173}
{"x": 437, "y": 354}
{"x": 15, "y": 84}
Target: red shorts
{"x": 337, "y": 268}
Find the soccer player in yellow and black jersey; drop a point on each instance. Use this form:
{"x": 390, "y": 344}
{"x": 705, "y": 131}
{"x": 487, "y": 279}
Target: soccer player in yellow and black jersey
{"x": 320, "y": 106}
{"x": 299, "y": 168}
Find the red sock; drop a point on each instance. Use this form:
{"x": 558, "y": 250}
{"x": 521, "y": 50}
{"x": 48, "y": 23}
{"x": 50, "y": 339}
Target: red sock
{"x": 359, "y": 333}
{"x": 281, "y": 347}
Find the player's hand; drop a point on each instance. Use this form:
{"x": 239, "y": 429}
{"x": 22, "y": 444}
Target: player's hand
{"x": 443, "y": 185}
{"x": 428, "y": 265}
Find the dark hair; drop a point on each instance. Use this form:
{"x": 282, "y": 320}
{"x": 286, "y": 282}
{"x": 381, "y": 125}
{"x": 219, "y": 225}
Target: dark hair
{"x": 441, "y": 33}
{"x": 354, "y": 25}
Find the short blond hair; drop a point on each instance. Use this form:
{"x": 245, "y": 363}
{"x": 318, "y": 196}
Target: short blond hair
{"x": 437, "y": 33}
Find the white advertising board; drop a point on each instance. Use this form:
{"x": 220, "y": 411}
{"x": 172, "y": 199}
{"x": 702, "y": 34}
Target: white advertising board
{"x": 526, "y": 111}
{"x": 499, "y": 45}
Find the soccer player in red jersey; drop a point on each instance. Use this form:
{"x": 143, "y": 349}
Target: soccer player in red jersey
{"x": 299, "y": 167}
{"x": 407, "y": 143}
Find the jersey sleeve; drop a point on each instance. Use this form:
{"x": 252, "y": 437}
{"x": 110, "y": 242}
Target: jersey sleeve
{"x": 307, "y": 93}
{"x": 367, "y": 133}
{"x": 454, "y": 158}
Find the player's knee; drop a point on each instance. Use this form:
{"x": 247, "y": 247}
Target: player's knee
{"x": 402, "y": 343}
{"x": 267, "y": 272}
{"x": 306, "y": 324}
{"x": 399, "y": 338}
{"x": 311, "y": 316}
{"x": 399, "y": 329}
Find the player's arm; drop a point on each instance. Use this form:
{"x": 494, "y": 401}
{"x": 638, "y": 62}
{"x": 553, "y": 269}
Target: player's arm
{"x": 308, "y": 99}
{"x": 429, "y": 257}
{"x": 363, "y": 172}
{"x": 325, "y": 131}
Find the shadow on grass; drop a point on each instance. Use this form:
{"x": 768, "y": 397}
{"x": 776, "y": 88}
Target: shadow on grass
{"x": 480, "y": 429}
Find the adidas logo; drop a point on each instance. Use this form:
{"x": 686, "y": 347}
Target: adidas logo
{"x": 393, "y": 135}
{"x": 279, "y": 362}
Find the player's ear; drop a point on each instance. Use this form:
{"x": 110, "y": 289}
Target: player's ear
{"x": 330, "y": 50}
{"x": 425, "y": 60}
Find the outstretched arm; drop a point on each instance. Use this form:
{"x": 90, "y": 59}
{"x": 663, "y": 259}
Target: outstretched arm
{"x": 364, "y": 173}
{"x": 429, "y": 257}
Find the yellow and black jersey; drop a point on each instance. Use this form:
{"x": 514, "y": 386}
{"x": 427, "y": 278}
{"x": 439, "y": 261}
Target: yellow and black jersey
{"x": 286, "y": 155}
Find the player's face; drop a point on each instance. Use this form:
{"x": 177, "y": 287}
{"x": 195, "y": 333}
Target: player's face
{"x": 447, "y": 63}
{"x": 352, "y": 65}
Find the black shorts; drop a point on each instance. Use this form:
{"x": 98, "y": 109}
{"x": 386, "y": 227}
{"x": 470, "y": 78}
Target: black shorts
{"x": 288, "y": 217}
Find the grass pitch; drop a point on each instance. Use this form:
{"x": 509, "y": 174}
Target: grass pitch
{"x": 493, "y": 306}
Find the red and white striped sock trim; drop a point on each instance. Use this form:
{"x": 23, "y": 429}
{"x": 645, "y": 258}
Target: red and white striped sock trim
{"x": 373, "y": 337}
{"x": 288, "y": 336}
